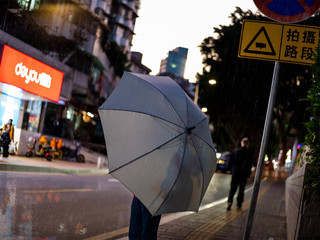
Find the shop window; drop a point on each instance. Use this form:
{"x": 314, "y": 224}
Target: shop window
{"x": 70, "y": 114}
{"x": 29, "y": 5}
{"x": 77, "y": 122}
{"x": 59, "y": 121}
{"x": 9, "y": 109}
{"x": 31, "y": 117}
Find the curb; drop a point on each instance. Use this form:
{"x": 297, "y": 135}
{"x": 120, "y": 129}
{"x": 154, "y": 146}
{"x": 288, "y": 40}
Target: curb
{"x": 25, "y": 168}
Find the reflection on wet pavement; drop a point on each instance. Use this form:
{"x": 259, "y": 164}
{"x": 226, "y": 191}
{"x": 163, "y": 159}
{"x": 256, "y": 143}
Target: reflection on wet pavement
{"x": 57, "y": 207}
{"x": 61, "y": 206}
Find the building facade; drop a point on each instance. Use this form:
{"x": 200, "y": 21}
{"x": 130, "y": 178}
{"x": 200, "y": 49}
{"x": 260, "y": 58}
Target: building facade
{"x": 122, "y": 21}
{"x": 68, "y": 36}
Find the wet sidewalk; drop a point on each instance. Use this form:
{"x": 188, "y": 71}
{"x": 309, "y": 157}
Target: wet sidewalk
{"x": 215, "y": 223}
{"x": 211, "y": 222}
{"x": 38, "y": 164}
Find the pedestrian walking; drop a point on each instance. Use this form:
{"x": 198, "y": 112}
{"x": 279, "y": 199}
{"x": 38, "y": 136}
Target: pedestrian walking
{"x": 143, "y": 226}
{"x": 240, "y": 165}
{"x": 5, "y": 139}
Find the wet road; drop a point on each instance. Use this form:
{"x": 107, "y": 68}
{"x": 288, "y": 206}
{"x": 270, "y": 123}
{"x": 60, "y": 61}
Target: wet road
{"x": 61, "y": 206}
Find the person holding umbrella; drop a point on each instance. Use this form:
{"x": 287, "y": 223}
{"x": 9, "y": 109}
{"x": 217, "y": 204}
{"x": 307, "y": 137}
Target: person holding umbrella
{"x": 166, "y": 158}
{"x": 240, "y": 164}
{"x": 143, "y": 226}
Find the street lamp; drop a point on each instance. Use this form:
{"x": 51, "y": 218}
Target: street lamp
{"x": 212, "y": 81}
{"x": 204, "y": 109}
{"x": 196, "y": 95}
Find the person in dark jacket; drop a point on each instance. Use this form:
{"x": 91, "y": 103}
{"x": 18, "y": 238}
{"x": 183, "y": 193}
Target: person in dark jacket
{"x": 11, "y": 129}
{"x": 240, "y": 165}
{"x": 5, "y": 137}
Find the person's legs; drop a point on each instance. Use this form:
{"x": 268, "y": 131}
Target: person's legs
{"x": 242, "y": 185}
{"x": 150, "y": 224}
{"x": 233, "y": 189}
{"x": 135, "y": 220}
{"x": 5, "y": 151}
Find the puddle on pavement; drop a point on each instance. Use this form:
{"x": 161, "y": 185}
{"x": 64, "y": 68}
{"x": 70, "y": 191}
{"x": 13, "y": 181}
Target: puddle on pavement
{"x": 33, "y": 215}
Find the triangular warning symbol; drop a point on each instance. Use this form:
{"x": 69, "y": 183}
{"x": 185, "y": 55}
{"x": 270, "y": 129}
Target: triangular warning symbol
{"x": 260, "y": 44}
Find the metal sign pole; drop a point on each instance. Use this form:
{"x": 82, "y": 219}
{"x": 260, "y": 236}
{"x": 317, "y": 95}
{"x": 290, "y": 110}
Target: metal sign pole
{"x": 263, "y": 145}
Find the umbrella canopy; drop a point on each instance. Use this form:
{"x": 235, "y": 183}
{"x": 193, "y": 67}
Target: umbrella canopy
{"x": 158, "y": 142}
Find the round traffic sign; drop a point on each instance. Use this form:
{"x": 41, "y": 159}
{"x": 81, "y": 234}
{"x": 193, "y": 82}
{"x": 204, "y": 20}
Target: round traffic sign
{"x": 288, "y": 11}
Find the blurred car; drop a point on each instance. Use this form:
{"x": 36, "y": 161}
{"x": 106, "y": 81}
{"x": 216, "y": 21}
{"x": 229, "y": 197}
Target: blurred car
{"x": 223, "y": 160}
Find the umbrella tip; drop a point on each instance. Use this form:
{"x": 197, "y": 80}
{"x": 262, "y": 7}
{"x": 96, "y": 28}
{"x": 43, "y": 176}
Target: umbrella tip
{"x": 189, "y": 129}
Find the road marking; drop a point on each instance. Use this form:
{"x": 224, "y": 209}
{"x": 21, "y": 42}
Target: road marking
{"x": 113, "y": 180}
{"x": 208, "y": 230}
{"x": 59, "y": 190}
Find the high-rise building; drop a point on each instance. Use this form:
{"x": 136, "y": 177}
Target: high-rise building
{"x": 174, "y": 66}
{"x": 175, "y": 62}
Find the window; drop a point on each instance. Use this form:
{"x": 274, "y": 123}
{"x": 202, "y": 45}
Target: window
{"x": 31, "y": 117}
{"x": 29, "y": 5}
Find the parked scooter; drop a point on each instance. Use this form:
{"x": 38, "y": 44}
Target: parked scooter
{"x": 54, "y": 150}
{"x": 69, "y": 154}
{"x": 43, "y": 150}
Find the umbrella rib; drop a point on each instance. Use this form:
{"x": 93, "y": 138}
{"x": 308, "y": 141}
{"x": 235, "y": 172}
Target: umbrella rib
{"x": 202, "y": 194}
{"x": 201, "y": 121}
{"x": 147, "y": 153}
{"x": 167, "y": 100}
{"x": 151, "y": 115}
{"x": 203, "y": 141}
{"x": 187, "y": 111}
{"x": 185, "y": 144}
{"x": 199, "y": 136}
{"x": 202, "y": 191}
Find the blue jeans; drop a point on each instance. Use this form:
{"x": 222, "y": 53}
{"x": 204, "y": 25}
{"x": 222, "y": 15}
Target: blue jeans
{"x": 143, "y": 226}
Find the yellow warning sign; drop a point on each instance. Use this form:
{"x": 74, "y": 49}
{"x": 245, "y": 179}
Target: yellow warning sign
{"x": 278, "y": 42}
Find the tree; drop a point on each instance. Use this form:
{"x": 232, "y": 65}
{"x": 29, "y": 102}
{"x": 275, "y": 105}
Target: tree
{"x": 237, "y": 103}
{"x": 312, "y": 139}
{"x": 118, "y": 58}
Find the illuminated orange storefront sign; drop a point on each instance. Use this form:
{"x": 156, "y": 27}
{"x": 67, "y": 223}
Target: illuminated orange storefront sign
{"x": 29, "y": 74}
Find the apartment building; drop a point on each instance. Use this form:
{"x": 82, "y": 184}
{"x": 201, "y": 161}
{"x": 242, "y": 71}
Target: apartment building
{"x": 123, "y": 18}
{"x": 68, "y": 37}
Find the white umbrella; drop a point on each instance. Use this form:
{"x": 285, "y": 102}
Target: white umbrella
{"x": 158, "y": 142}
